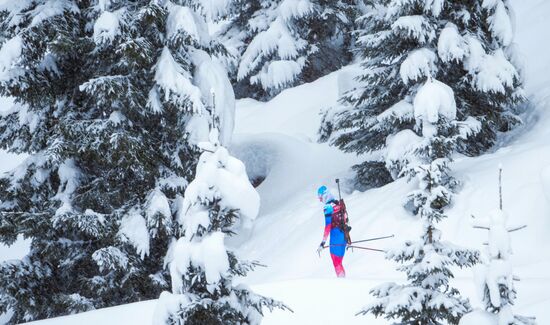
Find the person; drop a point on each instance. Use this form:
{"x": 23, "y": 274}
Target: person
{"x": 337, "y": 239}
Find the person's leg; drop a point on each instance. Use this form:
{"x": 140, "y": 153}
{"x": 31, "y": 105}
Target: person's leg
{"x": 337, "y": 262}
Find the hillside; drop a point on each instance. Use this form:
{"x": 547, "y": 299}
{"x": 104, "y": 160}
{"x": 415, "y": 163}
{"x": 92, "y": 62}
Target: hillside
{"x": 277, "y": 141}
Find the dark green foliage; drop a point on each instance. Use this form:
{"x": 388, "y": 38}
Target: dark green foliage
{"x": 322, "y": 38}
{"x": 97, "y": 149}
{"x": 356, "y": 126}
{"x": 203, "y": 291}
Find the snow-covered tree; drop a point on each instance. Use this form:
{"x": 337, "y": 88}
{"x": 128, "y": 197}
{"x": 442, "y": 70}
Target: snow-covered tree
{"x": 281, "y": 43}
{"x": 496, "y": 280}
{"x": 427, "y": 298}
{"x": 218, "y": 201}
{"x": 465, "y": 44}
{"x": 109, "y": 99}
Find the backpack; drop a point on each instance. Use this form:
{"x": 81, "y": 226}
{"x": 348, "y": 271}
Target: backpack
{"x": 340, "y": 219}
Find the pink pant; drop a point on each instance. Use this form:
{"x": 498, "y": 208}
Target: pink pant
{"x": 337, "y": 262}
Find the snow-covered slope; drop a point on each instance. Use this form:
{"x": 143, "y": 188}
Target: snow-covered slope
{"x": 277, "y": 141}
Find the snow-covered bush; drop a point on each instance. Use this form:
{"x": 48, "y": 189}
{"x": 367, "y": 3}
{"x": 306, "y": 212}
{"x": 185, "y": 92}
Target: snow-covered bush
{"x": 280, "y": 43}
{"x": 427, "y": 297}
{"x": 109, "y": 96}
{"x": 466, "y": 45}
{"x": 495, "y": 277}
{"x": 216, "y": 202}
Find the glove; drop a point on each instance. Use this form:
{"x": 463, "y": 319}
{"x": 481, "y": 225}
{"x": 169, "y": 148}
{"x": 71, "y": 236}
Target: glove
{"x": 321, "y": 246}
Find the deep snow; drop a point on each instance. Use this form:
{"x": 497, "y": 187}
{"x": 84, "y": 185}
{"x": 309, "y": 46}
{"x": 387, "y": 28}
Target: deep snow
{"x": 277, "y": 140}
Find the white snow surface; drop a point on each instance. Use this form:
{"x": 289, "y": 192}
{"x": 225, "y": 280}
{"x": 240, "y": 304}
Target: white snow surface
{"x": 133, "y": 228}
{"x": 295, "y": 8}
{"x": 433, "y": 100}
{"x": 501, "y": 24}
{"x": 451, "y": 45}
{"x": 9, "y": 53}
{"x": 419, "y": 63}
{"x": 211, "y": 78}
{"x": 218, "y": 175}
{"x": 276, "y": 43}
{"x": 280, "y": 135}
{"x": 176, "y": 84}
{"x": 209, "y": 254}
{"x": 184, "y": 19}
{"x": 479, "y": 317}
{"x": 106, "y": 27}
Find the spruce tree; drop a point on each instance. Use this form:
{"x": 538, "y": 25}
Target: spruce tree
{"x": 278, "y": 44}
{"x": 497, "y": 289}
{"x": 108, "y": 96}
{"x": 465, "y": 44}
{"x": 218, "y": 201}
{"x": 428, "y": 297}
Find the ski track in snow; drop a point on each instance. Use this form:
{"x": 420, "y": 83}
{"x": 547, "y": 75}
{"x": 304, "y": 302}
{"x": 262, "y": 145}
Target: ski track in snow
{"x": 277, "y": 140}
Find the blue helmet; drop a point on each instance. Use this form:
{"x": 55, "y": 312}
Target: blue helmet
{"x": 322, "y": 190}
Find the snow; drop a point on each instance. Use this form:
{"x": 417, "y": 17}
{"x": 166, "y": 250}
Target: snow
{"x": 434, "y": 100}
{"x": 176, "y": 84}
{"x": 501, "y": 24}
{"x": 419, "y": 63}
{"x": 106, "y": 27}
{"x": 136, "y": 313}
{"x": 279, "y": 73}
{"x": 400, "y": 148}
{"x": 215, "y": 9}
{"x": 208, "y": 254}
{"x": 499, "y": 272}
{"x": 218, "y": 175}
{"x": 468, "y": 127}
{"x": 450, "y": 45}
{"x": 103, "y": 4}
{"x": 402, "y": 111}
{"x": 290, "y": 9}
{"x": 9, "y": 54}
{"x": 278, "y": 135}
{"x": 184, "y": 19}
{"x": 416, "y": 27}
{"x": 435, "y": 6}
{"x": 110, "y": 258}
{"x": 168, "y": 304}
{"x": 133, "y": 228}
{"x": 49, "y": 9}
{"x": 479, "y": 317}
{"x": 476, "y": 56}
{"x": 495, "y": 73}
{"x": 117, "y": 117}
{"x": 211, "y": 78}
{"x": 276, "y": 41}
{"x": 499, "y": 237}
{"x": 158, "y": 203}
{"x": 69, "y": 175}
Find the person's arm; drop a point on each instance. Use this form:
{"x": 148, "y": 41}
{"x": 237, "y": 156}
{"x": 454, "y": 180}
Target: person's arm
{"x": 328, "y": 221}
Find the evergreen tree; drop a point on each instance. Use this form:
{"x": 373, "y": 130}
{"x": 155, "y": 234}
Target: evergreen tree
{"x": 217, "y": 201}
{"x": 281, "y": 43}
{"x": 108, "y": 96}
{"x": 497, "y": 288}
{"x": 427, "y": 298}
{"x": 465, "y": 44}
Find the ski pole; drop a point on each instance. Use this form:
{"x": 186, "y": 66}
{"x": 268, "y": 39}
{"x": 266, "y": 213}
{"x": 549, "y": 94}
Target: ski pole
{"x": 367, "y": 248}
{"x": 372, "y": 239}
{"x": 364, "y": 240}
{"x": 339, "y": 193}
{"x": 353, "y": 246}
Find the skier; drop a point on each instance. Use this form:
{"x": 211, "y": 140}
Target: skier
{"x": 337, "y": 237}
